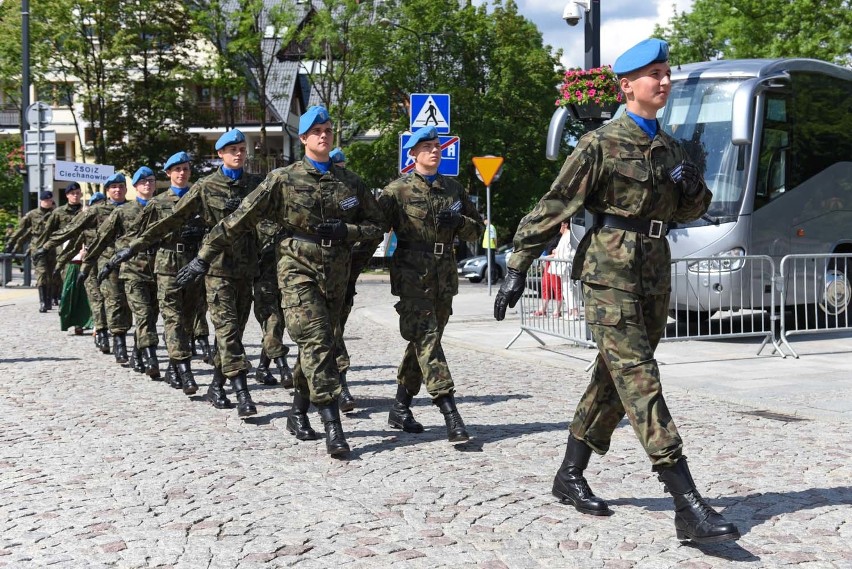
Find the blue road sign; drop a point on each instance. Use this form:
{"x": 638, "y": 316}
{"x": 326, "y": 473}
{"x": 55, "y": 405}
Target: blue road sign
{"x": 450, "y": 152}
{"x": 430, "y": 109}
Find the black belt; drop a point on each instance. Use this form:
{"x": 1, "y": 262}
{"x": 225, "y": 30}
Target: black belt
{"x": 181, "y": 247}
{"x": 316, "y": 239}
{"x": 650, "y": 227}
{"x": 425, "y": 247}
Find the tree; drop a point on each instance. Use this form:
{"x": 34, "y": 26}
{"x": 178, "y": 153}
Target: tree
{"x": 11, "y": 166}
{"x": 739, "y": 29}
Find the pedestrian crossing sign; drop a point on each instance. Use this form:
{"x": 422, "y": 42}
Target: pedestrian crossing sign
{"x": 430, "y": 110}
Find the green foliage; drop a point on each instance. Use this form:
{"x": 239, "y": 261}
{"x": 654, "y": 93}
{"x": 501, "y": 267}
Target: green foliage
{"x": 11, "y": 181}
{"x": 740, "y": 29}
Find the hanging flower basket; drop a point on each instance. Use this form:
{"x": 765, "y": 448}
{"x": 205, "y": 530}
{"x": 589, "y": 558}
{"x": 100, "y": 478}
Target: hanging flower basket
{"x": 591, "y": 94}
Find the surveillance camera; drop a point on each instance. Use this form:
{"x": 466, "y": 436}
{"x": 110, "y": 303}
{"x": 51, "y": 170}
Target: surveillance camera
{"x": 572, "y": 13}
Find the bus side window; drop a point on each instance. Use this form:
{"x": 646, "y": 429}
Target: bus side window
{"x": 775, "y": 140}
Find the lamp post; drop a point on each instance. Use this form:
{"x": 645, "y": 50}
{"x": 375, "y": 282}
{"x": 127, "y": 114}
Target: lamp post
{"x": 388, "y": 23}
{"x": 592, "y": 27}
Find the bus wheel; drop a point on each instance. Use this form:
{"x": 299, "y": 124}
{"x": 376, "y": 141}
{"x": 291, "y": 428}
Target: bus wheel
{"x": 837, "y": 293}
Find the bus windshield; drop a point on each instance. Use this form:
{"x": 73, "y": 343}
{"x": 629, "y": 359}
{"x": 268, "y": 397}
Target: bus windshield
{"x": 698, "y": 115}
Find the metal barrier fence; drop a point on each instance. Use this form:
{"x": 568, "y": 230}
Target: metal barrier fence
{"x": 711, "y": 298}
{"x": 7, "y": 269}
{"x": 816, "y": 290}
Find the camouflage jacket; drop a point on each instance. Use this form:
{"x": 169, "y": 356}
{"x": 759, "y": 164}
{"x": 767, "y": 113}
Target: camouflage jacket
{"x": 298, "y": 198}
{"x": 83, "y": 227}
{"x": 60, "y": 218}
{"x": 617, "y": 170}
{"x": 32, "y": 227}
{"x": 236, "y": 258}
{"x": 410, "y": 205}
{"x": 115, "y": 233}
{"x": 171, "y": 251}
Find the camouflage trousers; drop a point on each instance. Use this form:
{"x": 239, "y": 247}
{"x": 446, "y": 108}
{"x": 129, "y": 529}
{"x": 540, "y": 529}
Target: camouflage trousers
{"x": 44, "y": 270}
{"x": 200, "y": 329}
{"x": 267, "y": 311}
{"x": 421, "y": 323}
{"x": 627, "y": 328}
{"x": 311, "y": 318}
{"x": 342, "y": 353}
{"x": 180, "y": 307}
{"x": 96, "y": 302}
{"x": 115, "y": 304}
{"x": 229, "y": 302}
{"x": 142, "y": 298}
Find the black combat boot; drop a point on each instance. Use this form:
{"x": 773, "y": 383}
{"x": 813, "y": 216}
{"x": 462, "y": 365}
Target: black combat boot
{"x": 216, "y": 392}
{"x": 298, "y": 424}
{"x": 137, "y": 361}
{"x": 456, "y": 433}
{"x": 400, "y": 416}
{"x": 335, "y": 441}
{"x": 43, "y": 299}
{"x": 284, "y": 372}
{"x": 172, "y": 376}
{"x": 151, "y": 363}
{"x": 262, "y": 373}
{"x": 119, "y": 346}
{"x": 694, "y": 519}
{"x": 204, "y": 344}
{"x": 103, "y": 336}
{"x": 183, "y": 370}
{"x": 571, "y": 487}
{"x": 345, "y": 401}
{"x": 245, "y": 406}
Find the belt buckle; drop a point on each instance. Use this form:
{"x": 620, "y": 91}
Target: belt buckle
{"x": 326, "y": 242}
{"x": 656, "y": 229}
{"x": 439, "y": 249}
{"x": 179, "y": 248}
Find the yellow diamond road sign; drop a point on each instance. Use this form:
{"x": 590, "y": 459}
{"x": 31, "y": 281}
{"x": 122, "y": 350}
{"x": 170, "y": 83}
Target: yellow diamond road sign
{"x": 487, "y": 167}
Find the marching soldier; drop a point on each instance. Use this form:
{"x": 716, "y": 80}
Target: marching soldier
{"x": 231, "y": 269}
{"x": 324, "y": 209}
{"x": 635, "y": 179}
{"x": 137, "y": 277}
{"x": 426, "y": 211}
{"x": 32, "y": 228}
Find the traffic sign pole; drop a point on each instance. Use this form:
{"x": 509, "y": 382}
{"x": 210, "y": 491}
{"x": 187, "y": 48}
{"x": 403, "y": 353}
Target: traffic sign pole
{"x": 488, "y": 169}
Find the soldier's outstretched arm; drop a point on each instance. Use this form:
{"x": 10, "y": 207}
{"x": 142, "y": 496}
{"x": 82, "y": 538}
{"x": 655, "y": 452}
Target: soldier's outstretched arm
{"x": 105, "y": 235}
{"x": 19, "y": 236}
{"x": 187, "y": 206}
{"x": 242, "y": 220}
{"x": 373, "y": 224}
{"x": 82, "y": 221}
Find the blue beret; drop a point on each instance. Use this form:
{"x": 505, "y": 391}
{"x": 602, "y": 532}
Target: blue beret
{"x": 96, "y": 197}
{"x": 71, "y": 187}
{"x": 117, "y": 178}
{"x": 182, "y": 157}
{"x": 651, "y": 50}
{"x": 337, "y": 156}
{"x": 421, "y": 135}
{"x": 314, "y": 115}
{"x": 233, "y": 136}
{"x": 46, "y": 195}
{"x": 143, "y": 172}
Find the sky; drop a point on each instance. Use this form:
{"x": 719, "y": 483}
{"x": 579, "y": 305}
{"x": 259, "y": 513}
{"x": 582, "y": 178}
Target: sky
{"x": 623, "y": 24}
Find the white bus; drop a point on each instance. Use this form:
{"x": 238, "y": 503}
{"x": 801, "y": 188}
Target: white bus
{"x": 774, "y": 139}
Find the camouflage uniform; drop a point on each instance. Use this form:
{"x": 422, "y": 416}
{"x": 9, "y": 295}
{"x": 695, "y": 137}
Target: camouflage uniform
{"x": 618, "y": 170}
{"x": 84, "y": 226}
{"x": 33, "y": 227}
{"x": 232, "y": 268}
{"x": 362, "y": 252}
{"x": 424, "y": 279}
{"x": 60, "y": 218}
{"x": 180, "y": 306}
{"x": 312, "y": 276}
{"x": 136, "y": 276}
{"x": 267, "y": 296}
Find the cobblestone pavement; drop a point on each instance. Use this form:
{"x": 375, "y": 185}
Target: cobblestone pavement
{"x": 101, "y": 467}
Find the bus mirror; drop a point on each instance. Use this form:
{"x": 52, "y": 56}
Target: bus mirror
{"x": 554, "y": 133}
{"x": 742, "y": 123}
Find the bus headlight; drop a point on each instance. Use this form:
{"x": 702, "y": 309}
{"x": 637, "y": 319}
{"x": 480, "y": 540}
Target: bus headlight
{"x": 724, "y": 263}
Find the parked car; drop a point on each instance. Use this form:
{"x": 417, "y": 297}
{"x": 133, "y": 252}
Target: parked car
{"x": 473, "y": 268}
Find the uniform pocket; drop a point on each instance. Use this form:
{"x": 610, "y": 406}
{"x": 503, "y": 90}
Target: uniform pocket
{"x": 416, "y": 209}
{"x": 617, "y": 314}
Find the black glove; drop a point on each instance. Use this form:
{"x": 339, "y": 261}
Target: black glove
{"x": 121, "y": 256}
{"x": 350, "y": 293}
{"x": 449, "y": 218}
{"x": 104, "y": 273}
{"x": 510, "y": 292}
{"x": 232, "y": 204}
{"x": 81, "y": 278}
{"x": 688, "y": 175}
{"x": 193, "y": 271}
{"x": 39, "y": 253}
{"x": 192, "y": 233}
{"x": 332, "y": 229}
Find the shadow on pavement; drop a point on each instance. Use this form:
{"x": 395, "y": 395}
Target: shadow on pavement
{"x": 39, "y": 359}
